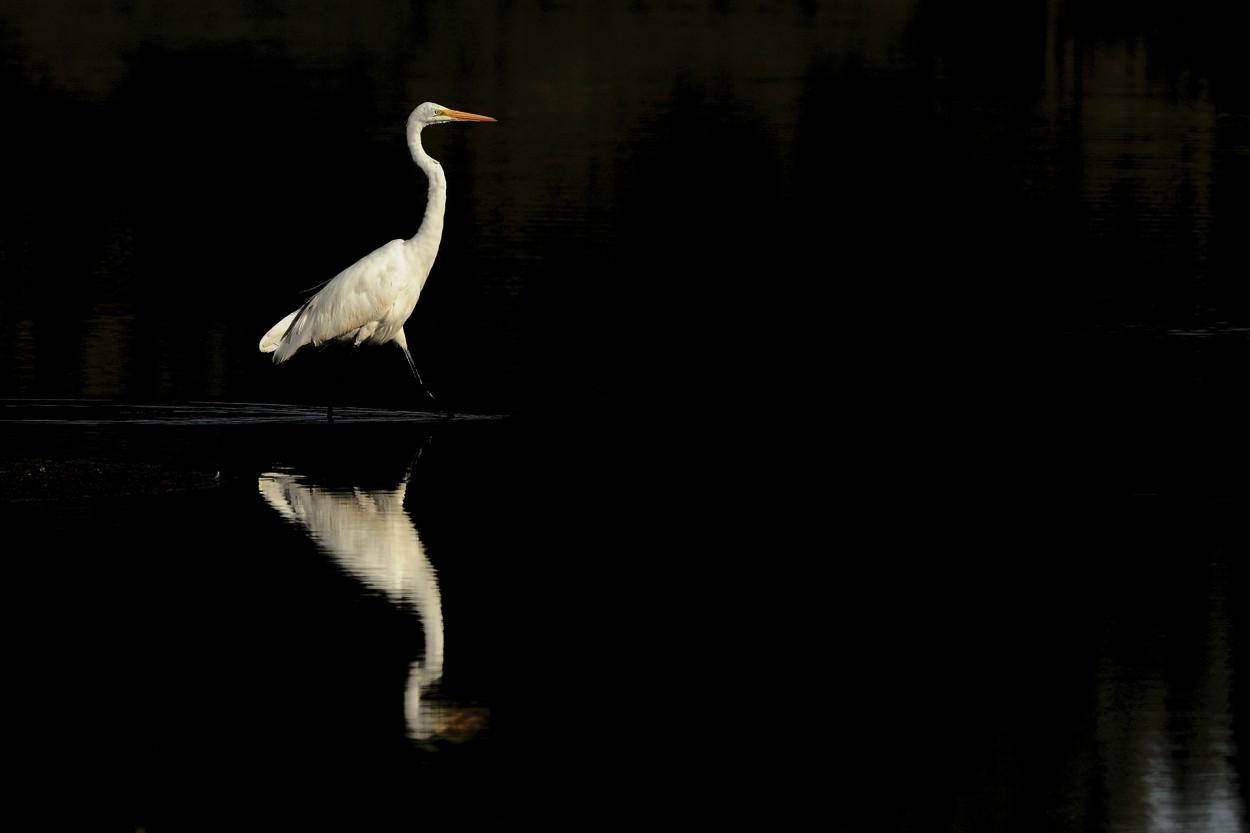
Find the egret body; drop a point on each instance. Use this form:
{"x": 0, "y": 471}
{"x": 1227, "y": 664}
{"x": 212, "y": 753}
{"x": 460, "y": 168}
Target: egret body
{"x": 369, "y": 301}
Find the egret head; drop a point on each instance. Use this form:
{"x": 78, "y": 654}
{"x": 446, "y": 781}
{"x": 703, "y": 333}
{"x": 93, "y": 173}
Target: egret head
{"x": 431, "y": 113}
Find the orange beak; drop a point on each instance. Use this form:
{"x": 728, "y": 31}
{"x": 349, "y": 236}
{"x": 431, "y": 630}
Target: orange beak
{"x": 461, "y": 116}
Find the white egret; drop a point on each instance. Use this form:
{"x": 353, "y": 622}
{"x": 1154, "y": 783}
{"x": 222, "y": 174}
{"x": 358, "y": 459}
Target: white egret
{"x": 369, "y": 301}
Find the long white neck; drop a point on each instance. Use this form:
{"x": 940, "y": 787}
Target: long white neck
{"x": 431, "y": 230}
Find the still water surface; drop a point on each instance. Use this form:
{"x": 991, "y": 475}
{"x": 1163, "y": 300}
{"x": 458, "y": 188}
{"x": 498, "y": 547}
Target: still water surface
{"x": 218, "y": 630}
{"x": 474, "y": 623}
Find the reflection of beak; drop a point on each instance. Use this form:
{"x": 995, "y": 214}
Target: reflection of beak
{"x": 462, "y": 116}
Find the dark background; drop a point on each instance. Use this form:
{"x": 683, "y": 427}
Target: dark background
{"x": 918, "y": 209}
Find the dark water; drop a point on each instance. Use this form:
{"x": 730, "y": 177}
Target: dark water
{"x": 232, "y": 617}
{"x": 851, "y": 417}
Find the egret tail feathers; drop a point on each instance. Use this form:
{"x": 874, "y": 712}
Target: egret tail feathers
{"x": 273, "y": 339}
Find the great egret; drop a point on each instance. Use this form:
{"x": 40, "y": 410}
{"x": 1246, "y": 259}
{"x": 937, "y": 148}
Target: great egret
{"x": 369, "y": 301}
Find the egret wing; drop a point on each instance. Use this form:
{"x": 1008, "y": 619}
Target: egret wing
{"x": 349, "y": 306}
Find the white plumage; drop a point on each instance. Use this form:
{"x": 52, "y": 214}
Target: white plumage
{"x": 369, "y": 301}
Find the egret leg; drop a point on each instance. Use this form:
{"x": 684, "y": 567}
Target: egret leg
{"x": 335, "y": 379}
{"x": 446, "y": 413}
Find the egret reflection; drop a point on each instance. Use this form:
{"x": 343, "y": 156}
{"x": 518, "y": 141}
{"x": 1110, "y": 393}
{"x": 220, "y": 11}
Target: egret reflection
{"x": 371, "y": 536}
